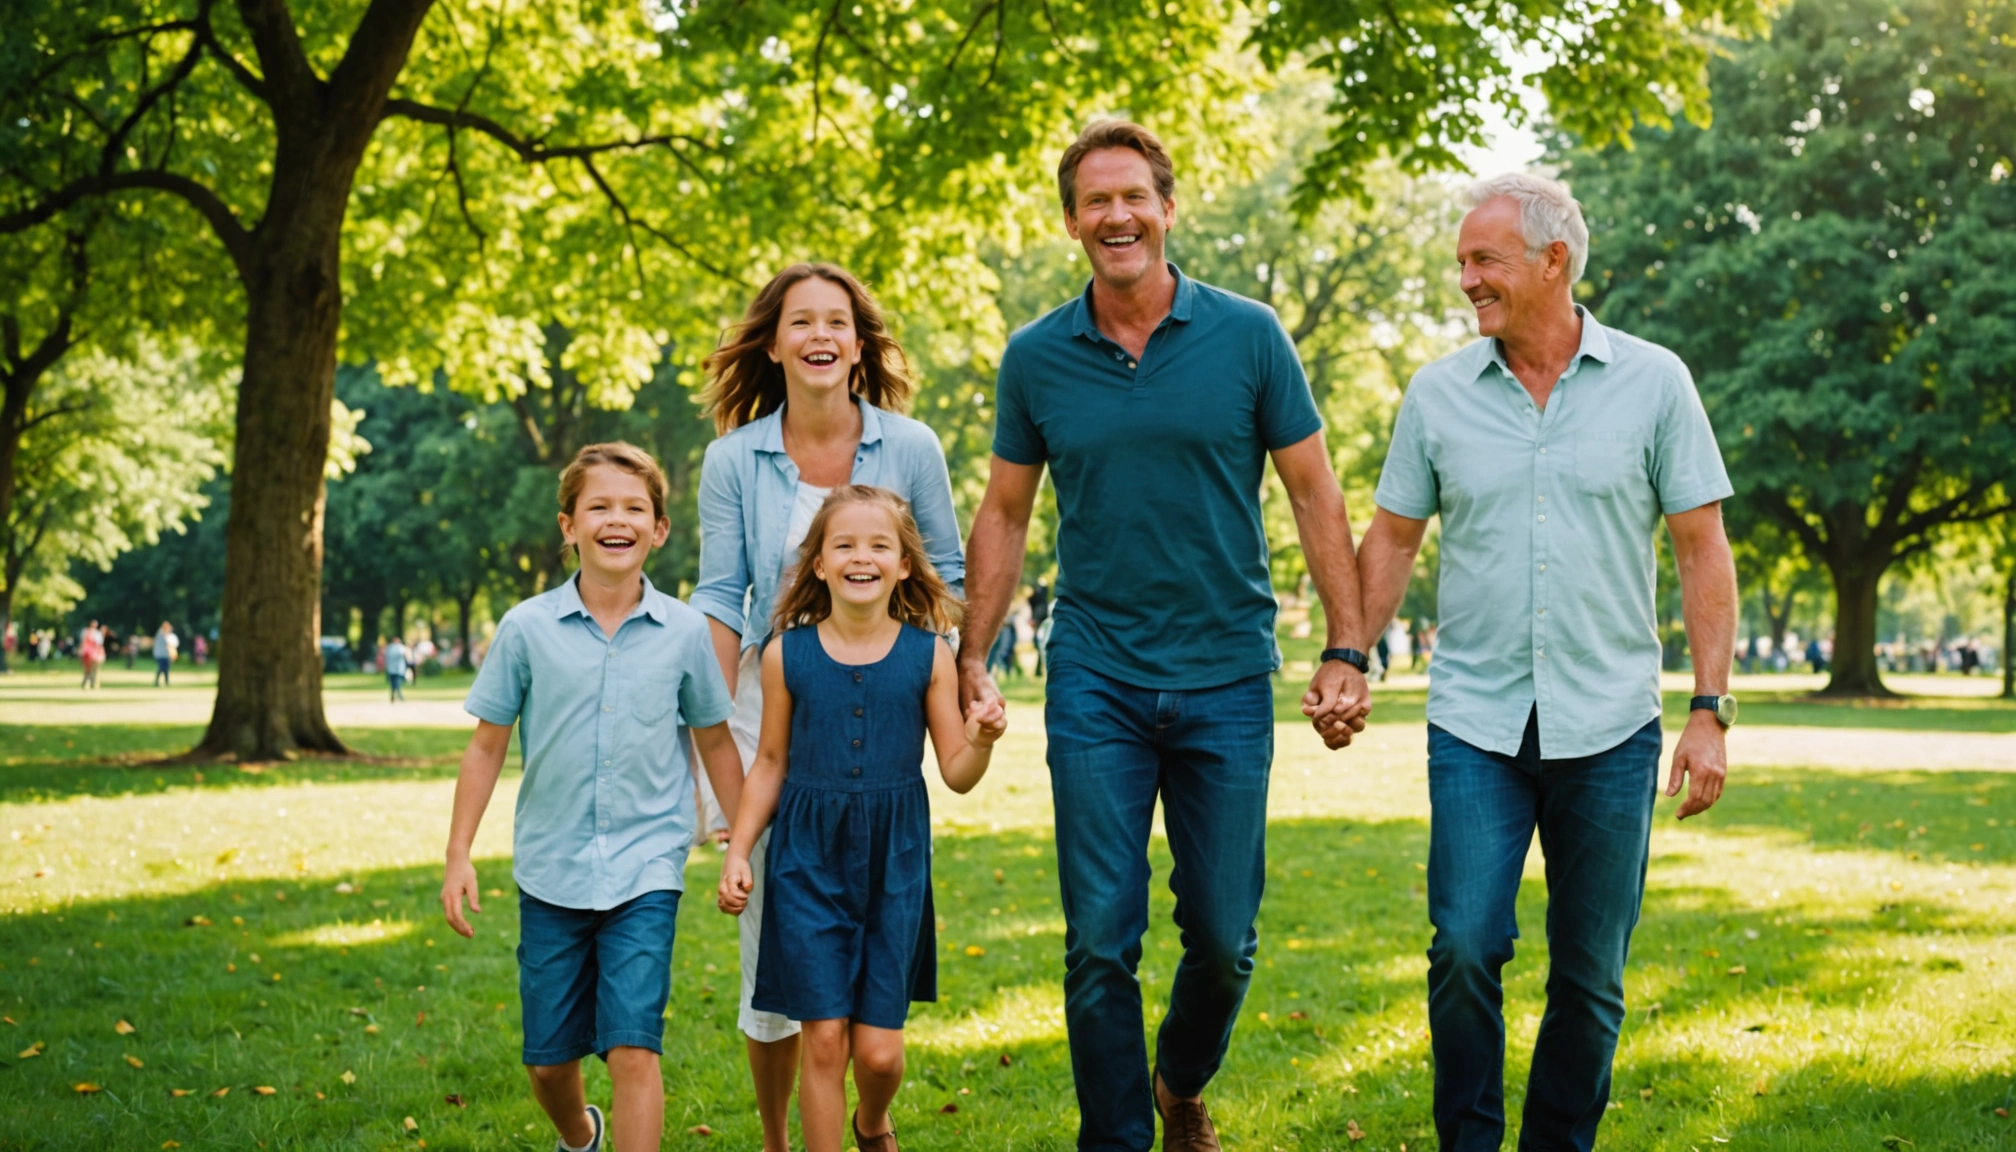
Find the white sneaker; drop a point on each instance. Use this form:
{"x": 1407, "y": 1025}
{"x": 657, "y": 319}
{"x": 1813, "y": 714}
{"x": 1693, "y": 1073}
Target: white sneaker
{"x": 595, "y": 1145}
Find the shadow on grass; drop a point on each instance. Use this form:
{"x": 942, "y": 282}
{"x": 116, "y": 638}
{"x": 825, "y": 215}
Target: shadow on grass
{"x": 52, "y": 762}
{"x": 1936, "y": 817}
{"x": 371, "y": 983}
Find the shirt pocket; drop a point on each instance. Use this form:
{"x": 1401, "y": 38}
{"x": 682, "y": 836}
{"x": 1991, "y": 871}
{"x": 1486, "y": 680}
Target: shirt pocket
{"x": 1608, "y": 464}
{"x": 653, "y": 701}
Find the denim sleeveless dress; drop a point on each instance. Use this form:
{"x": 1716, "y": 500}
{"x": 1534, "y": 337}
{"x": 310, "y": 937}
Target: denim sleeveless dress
{"x": 848, "y": 925}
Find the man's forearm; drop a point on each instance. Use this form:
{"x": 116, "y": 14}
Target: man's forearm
{"x": 1708, "y": 604}
{"x": 1385, "y": 566}
{"x": 1325, "y": 531}
{"x": 993, "y": 568}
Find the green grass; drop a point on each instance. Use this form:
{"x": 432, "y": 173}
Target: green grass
{"x": 1870, "y": 907}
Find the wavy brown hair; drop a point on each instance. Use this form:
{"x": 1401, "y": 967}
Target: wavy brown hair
{"x": 744, "y": 383}
{"x": 920, "y": 599}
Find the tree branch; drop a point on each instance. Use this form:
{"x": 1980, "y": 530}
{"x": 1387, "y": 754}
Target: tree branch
{"x": 55, "y": 413}
{"x": 223, "y": 220}
{"x": 206, "y": 35}
{"x": 531, "y": 151}
{"x": 291, "y": 81}
{"x": 115, "y": 143}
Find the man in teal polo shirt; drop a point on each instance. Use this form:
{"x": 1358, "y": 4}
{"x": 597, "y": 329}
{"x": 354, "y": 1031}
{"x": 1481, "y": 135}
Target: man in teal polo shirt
{"x": 1156, "y": 401}
{"x": 1551, "y": 448}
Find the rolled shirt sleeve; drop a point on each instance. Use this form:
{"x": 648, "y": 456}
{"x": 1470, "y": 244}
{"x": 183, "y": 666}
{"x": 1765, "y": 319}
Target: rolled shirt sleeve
{"x": 724, "y": 563}
{"x": 1407, "y": 485}
{"x": 1687, "y": 468}
{"x": 498, "y": 695}
{"x": 931, "y": 502}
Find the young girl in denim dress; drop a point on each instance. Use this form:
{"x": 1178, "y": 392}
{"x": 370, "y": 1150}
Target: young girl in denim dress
{"x": 855, "y": 679}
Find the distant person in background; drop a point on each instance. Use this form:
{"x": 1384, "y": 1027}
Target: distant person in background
{"x": 166, "y": 644}
{"x": 395, "y": 667}
{"x": 1750, "y": 655}
{"x": 91, "y": 652}
{"x": 1814, "y": 656}
{"x": 42, "y": 646}
{"x": 199, "y": 649}
{"x": 132, "y": 648}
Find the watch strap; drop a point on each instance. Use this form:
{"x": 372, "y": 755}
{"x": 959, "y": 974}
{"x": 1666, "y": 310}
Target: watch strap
{"x": 1704, "y": 703}
{"x": 1351, "y": 656}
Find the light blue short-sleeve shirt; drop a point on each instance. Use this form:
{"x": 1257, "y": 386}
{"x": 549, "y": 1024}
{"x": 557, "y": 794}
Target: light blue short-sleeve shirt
{"x": 1548, "y": 568}
{"x": 605, "y": 811}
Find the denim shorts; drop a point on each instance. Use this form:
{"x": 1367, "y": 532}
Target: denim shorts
{"x": 590, "y": 981}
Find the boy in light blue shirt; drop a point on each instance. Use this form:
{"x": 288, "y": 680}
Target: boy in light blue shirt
{"x": 604, "y": 677}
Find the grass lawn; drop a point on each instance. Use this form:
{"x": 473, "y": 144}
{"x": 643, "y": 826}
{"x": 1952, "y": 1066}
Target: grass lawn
{"x": 1825, "y": 960}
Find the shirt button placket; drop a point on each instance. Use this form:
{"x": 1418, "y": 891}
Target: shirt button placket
{"x": 859, "y": 723}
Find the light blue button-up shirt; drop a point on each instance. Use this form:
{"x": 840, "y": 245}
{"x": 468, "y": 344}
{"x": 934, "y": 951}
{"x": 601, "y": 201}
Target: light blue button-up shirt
{"x": 748, "y": 484}
{"x": 1548, "y": 570}
{"x": 605, "y": 812}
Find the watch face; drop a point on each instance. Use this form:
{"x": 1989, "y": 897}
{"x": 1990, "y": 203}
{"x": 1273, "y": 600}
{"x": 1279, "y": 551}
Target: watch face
{"x": 1725, "y": 710}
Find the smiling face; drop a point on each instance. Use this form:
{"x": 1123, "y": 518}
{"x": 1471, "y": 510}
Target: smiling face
{"x": 1508, "y": 289}
{"x": 861, "y": 559}
{"x": 816, "y": 341}
{"x": 613, "y": 525}
{"x": 1119, "y": 217}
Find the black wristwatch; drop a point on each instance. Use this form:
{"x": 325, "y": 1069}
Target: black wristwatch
{"x": 1351, "y": 656}
{"x": 1724, "y": 707}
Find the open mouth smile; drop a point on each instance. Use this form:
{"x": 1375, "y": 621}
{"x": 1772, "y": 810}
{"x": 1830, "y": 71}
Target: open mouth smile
{"x": 615, "y": 543}
{"x": 821, "y": 359}
{"x": 1127, "y": 240}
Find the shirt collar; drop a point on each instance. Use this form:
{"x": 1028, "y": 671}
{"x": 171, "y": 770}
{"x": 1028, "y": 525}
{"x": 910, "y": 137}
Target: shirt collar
{"x": 770, "y": 429}
{"x": 1595, "y": 345}
{"x": 569, "y": 603}
{"x": 1082, "y": 323}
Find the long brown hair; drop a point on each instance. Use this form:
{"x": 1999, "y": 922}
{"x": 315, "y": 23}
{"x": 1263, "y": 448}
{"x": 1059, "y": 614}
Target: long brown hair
{"x": 920, "y": 599}
{"x": 744, "y": 383}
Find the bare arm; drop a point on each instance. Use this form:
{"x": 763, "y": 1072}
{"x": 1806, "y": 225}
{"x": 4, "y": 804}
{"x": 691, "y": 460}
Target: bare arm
{"x": 727, "y": 650}
{"x": 764, "y": 784}
{"x": 993, "y": 568}
{"x": 482, "y": 762}
{"x": 1708, "y": 602}
{"x": 722, "y": 762}
{"x": 964, "y": 744}
{"x": 1385, "y": 565}
{"x": 1338, "y": 694}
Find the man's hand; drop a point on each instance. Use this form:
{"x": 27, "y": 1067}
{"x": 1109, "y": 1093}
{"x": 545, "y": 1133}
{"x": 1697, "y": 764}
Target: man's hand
{"x": 732, "y": 896}
{"x": 460, "y": 883}
{"x": 977, "y": 687}
{"x": 1702, "y": 759}
{"x": 986, "y": 720}
{"x": 1337, "y": 702}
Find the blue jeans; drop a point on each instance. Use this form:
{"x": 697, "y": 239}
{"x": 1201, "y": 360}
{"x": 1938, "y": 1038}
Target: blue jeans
{"x": 1594, "y": 816}
{"x": 1113, "y": 748}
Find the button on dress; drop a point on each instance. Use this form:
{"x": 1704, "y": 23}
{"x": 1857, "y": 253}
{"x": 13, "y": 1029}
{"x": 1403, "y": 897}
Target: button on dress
{"x": 848, "y": 928}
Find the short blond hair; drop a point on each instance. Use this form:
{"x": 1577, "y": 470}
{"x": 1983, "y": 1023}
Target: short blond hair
{"x": 1547, "y": 212}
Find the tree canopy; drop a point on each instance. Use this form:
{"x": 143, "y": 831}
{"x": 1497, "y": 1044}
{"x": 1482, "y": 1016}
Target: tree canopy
{"x": 1830, "y": 259}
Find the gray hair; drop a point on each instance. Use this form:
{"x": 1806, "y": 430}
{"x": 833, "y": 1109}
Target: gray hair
{"x": 1547, "y": 212}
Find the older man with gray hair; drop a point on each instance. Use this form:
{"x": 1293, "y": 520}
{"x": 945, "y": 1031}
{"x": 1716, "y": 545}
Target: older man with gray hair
{"x": 1551, "y": 448}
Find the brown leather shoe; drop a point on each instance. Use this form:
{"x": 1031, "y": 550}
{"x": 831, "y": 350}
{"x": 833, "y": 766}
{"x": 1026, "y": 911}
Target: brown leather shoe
{"x": 886, "y": 1142}
{"x": 1186, "y": 1125}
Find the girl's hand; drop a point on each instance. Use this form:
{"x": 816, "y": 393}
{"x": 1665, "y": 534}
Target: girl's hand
{"x": 736, "y": 881}
{"x": 986, "y": 720}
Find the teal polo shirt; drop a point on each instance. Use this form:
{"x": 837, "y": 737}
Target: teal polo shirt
{"x": 605, "y": 811}
{"x": 1162, "y": 576}
{"x": 1548, "y": 569}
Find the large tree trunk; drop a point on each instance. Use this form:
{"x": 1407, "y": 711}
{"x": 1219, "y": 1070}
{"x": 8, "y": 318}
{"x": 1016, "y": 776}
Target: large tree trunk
{"x": 462, "y": 604}
{"x": 2008, "y": 636}
{"x": 269, "y": 677}
{"x": 1857, "y": 578}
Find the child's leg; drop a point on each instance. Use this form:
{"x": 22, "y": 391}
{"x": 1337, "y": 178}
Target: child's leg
{"x": 822, "y": 1087}
{"x": 773, "y": 1065}
{"x": 558, "y": 1089}
{"x": 878, "y": 1073}
{"x": 637, "y": 1112}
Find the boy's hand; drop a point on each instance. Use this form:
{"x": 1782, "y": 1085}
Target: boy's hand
{"x": 736, "y": 881}
{"x": 461, "y": 882}
{"x": 986, "y": 720}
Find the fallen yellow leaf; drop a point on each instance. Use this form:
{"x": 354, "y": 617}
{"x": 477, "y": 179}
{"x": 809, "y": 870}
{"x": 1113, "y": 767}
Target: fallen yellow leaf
{"x": 124, "y": 1029}
{"x": 1352, "y": 1130}
{"x": 33, "y": 1050}
{"x": 371, "y": 1028}
{"x": 171, "y": 1143}
{"x": 221, "y": 1092}
{"x": 699, "y": 1130}
{"x": 975, "y": 950}
{"x": 348, "y": 1077}
{"x": 87, "y": 1089}
{"x": 265, "y": 1090}
{"x": 179, "y": 1092}
{"x": 135, "y": 1061}
{"x": 412, "y": 1125}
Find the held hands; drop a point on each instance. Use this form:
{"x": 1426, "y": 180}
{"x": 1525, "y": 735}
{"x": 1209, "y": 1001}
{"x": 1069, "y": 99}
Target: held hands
{"x": 1337, "y": 703}
{"x": 1702, "y": 758}
{"x": 736, "y": 882}
{"x": 986, "y": 720}
{"x": 460, "y": 883}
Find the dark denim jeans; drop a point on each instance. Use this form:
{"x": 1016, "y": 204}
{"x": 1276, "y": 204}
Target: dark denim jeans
{"x": 1594, "y": 815}
{"x": 1114, "y": 748}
